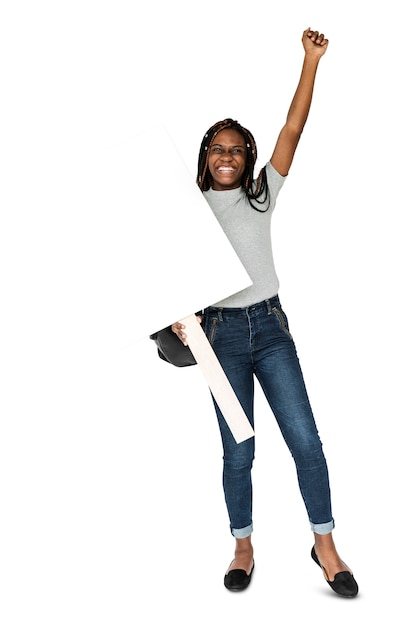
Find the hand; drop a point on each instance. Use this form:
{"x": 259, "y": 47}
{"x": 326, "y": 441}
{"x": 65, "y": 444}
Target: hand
{"x": 314, "y": 43}
{"x": 178, "y": 329}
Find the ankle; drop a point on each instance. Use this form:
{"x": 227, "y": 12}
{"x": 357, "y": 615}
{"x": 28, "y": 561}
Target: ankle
{"x": 243, "y": 546}
{"x": 324, "y": 543}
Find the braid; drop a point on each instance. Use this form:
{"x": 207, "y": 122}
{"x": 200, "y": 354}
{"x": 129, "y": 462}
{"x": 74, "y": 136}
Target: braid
{"x": 256, "y": 191}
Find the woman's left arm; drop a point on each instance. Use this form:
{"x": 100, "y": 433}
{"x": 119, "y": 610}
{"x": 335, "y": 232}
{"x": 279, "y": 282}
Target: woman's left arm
{"x": 315, "y": 46}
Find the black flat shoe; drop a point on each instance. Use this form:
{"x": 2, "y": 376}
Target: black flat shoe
{"x": 238, "y": 579}
{"x": 343, "y": 583}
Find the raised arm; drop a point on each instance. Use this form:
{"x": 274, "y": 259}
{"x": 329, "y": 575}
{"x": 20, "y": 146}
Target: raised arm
{"x": 315, "y": 46}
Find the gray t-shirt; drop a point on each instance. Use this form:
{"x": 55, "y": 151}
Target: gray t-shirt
{"x": 249, "y": 232}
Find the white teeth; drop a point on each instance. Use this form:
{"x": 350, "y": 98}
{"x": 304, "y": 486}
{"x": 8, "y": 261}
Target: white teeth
{"x": 225, "y": 169}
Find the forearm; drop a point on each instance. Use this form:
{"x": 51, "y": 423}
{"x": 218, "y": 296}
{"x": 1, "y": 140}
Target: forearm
{"x": 315, "y": 45}
{"x": 300, "y": 105}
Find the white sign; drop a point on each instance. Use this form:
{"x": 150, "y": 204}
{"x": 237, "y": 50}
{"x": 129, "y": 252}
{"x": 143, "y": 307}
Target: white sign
{"x": 162, "y": 253}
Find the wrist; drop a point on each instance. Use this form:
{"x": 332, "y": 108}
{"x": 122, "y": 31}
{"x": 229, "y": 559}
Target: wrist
{"x": 313, "y": 56}
{"x": 311, "y": 61}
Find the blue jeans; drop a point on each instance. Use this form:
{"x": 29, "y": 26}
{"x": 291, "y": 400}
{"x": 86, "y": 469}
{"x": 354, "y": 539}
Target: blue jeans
{"x": 256, "y": 342}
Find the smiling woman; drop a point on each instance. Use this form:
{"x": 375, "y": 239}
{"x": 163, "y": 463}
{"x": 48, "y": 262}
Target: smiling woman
{"x": 250, "y": 334}
{"x": 227, "y": 160}
{"x": 228, "y": 154}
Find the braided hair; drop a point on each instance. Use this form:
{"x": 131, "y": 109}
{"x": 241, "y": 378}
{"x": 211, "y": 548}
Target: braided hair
{"x": 256, "y": 191}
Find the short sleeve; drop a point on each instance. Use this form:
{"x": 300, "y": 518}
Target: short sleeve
{"x": 275, "y": 181}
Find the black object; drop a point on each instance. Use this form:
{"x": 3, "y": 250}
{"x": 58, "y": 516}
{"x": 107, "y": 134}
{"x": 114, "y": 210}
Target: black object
{"x": 237, "y": 579}
{"x": 171, "y": 349}
{"x": 343, "y": 583}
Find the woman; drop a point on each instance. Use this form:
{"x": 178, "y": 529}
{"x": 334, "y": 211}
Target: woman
{"x": 249, "y": 331}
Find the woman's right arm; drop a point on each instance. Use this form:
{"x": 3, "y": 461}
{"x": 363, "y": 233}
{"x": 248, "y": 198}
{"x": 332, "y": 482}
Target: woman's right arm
{"x": 178, "y": 329}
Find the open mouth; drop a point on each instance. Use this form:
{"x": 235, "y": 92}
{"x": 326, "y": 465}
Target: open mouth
{"x": 226, "y": 170}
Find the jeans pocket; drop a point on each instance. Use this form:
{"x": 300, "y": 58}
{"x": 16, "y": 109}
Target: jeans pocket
{"x": 210, "y": 325}
{"x": 282, "y": 319}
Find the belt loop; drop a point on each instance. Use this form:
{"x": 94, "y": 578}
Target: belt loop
{"x": 269, "y": 308}
{"x": 220, "y": 315}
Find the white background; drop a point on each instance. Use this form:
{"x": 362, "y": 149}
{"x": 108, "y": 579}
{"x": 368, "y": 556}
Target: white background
{"x": 111, "y": 504}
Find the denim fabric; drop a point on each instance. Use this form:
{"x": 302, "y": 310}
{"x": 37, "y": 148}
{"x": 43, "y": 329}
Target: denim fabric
{"x": 255, "y": 342}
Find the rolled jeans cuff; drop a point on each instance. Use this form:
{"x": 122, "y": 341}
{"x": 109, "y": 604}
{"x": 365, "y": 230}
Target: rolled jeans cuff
{"x": 323, "y": 529}
{"x": 241, "y": 533}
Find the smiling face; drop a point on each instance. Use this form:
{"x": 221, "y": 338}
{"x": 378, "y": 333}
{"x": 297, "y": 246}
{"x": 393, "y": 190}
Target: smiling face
{"x": 227, "y": 159}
